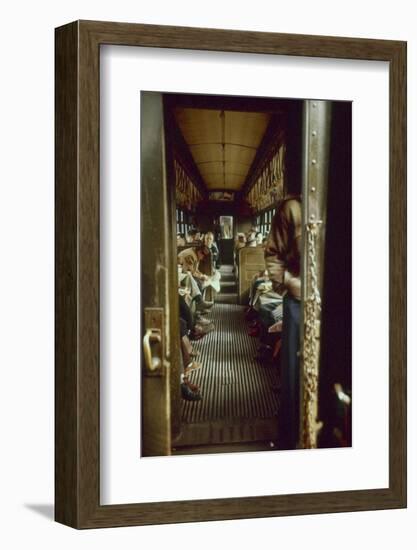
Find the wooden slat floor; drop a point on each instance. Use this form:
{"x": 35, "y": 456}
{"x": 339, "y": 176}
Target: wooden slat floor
{"x": 238, "y": 402}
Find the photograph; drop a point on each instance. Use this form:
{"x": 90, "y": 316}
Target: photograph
{"x": 258, "y": 245}
{"x": 230, "y": 274}
{"x": 209, "y": 248}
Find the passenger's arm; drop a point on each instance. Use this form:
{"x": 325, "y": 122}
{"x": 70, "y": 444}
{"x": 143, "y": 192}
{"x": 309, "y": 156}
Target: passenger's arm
{"x": 199, "y": 275}
{"x": 285, "y": 226}
{"x": 189, "y": 264}
{"x": 293, "y": 284}
{"x": 275, "y": 266}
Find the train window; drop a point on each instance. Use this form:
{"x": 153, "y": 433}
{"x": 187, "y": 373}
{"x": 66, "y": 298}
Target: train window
{"x": 265, "y": 222}
{"x": 182, "y": 221}
{"x": 226, "y": 227}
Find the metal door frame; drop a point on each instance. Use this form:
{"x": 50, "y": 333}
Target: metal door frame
{"x": 315, "y": 155}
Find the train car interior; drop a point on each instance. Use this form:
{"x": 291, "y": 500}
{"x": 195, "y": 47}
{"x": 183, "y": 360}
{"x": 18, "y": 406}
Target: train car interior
{"x": 214, "y": 170}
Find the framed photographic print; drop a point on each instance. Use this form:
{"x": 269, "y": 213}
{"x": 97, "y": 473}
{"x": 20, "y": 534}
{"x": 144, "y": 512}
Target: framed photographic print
{"x": 230, "y": 274}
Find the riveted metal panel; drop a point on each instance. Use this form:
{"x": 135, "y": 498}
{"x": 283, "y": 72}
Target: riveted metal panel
{"x": 316, "y": 143}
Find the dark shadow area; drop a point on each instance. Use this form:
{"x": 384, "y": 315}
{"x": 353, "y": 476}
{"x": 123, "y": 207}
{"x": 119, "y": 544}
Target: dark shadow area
{"x": 45, "y": 510}
{"x": 336, "y": 350}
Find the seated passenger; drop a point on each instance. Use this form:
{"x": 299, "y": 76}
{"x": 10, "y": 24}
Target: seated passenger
{"x": 191, "y": 236}
{"x": 270, "y": 309}
{"x": 189, "y": 260}
{"x": 196, "y": 325}
{"x": 240, "y": 242}
{"x": 259, "y": 283}
{"x": 259, "y": 239}
{"x": 251, "y": 239}
{"x": 212, "y": 246}
{"x": 192, "y": 326}
{"x": 189, "y": 391}
{"x": 189, "y": 289}
{"x": 264, "y": 317}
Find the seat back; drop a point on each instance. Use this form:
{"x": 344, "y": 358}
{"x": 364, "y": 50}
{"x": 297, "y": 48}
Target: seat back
{"x": 250, "y": 260}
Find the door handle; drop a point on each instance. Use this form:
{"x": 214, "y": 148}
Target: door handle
{"x": 152, "y": 336}
{"x": 154, "y": 341}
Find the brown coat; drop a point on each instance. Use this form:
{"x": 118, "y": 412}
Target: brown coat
{"x": 283, "y": 247}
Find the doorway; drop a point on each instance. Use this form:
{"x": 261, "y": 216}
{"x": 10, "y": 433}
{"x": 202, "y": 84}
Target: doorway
{"x": 256, "y": 148}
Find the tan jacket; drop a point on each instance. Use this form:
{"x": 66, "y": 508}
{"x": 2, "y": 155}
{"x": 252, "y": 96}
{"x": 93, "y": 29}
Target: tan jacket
{"x": 188, "y": 259}
{"x": 283, "y": 247}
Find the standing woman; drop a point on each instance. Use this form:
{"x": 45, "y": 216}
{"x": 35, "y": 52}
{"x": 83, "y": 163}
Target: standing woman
{"x": 211, "y": 244}
{"x": 282, "y": 260}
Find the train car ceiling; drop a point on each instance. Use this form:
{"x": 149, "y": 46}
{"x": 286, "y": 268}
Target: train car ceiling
{"x": 223, "y": 143}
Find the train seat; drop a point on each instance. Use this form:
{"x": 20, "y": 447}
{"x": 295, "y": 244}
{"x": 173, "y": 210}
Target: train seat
{"x": 250, "y": 261}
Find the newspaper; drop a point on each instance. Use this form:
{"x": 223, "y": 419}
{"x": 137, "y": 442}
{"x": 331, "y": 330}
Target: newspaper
{"x": 213, "y": 281}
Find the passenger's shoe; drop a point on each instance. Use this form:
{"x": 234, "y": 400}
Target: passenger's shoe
{"x": 264, "y": 355}
{"x": 196, "y": 335}
{"x": 188, "y": 394}
{"x": 251, "y": 314}
{"x": 205, "y": 329}
{"x": 202, "y": 321}
{"x": 191, "y": 367}
{"x": 200, "y": 331}
{"x": 193, "y": 387}
{"x": 202, "y": 305}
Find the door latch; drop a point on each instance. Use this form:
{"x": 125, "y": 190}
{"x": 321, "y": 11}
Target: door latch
{"x": 153, "y": 341}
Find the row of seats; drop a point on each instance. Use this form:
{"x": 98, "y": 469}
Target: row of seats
{"x": 250, "y": 260}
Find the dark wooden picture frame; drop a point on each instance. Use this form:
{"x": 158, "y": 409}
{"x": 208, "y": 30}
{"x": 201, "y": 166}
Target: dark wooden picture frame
{"x": 77, "y": 373}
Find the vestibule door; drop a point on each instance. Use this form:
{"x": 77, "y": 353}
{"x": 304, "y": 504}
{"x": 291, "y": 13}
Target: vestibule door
{"x": 158, "y": 338}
